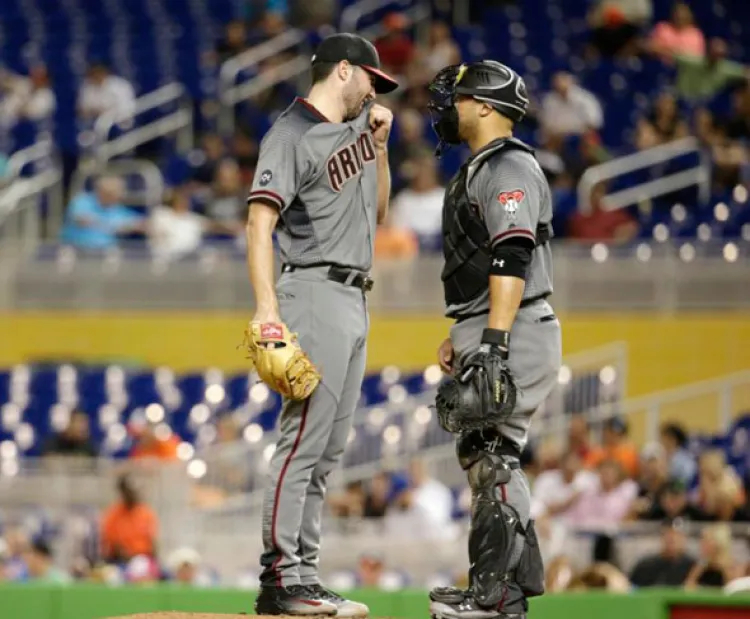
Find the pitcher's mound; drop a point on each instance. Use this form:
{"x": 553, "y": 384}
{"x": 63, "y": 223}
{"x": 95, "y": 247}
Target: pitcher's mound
{"x": 212, "y": 616}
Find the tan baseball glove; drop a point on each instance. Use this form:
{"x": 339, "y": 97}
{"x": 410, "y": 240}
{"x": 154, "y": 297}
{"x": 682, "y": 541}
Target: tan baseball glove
{"x": 280, "y": 361}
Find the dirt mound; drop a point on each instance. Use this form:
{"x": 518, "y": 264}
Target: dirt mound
{"x": 208, "y": 616}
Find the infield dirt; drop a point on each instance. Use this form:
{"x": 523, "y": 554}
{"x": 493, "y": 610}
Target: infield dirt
{"x": 213, "y": 616}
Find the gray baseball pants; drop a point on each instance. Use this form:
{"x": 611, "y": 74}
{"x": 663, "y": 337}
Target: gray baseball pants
{"x": 332, "y": 322}
{"x": 535, "y": 358}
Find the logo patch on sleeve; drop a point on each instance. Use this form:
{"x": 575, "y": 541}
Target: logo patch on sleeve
{"x": 265, "y": 177}
{"x": 511, "y": 200}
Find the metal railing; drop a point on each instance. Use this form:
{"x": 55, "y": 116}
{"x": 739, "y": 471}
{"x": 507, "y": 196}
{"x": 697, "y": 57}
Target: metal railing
{"x": 153, "y": 180}
{"x": 354, "y": 13}
{"x": 178, "y": 123}
{"x": 20, "y": 201}
{"x": 699, "y": 175}
{"x": 416, "y": 430}
{"x": 231, "y": 93}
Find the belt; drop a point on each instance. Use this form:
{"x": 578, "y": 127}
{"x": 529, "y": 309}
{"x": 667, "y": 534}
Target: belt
{"x": 338, "y": 274}
{"x": 524, "y": 303}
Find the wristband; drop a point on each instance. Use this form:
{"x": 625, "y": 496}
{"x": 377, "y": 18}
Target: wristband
{"x": 498, "y": 339}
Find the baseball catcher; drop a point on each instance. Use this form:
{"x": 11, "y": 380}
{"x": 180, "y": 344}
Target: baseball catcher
{"x": 504, "y": 351}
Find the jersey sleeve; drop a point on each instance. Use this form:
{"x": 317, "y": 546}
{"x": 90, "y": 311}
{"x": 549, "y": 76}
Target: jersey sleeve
{"x": 279, "y": 172}
{"x": 509, "y": 198}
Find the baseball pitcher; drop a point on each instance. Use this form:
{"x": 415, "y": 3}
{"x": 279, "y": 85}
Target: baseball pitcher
{"x": 504, "y": 350}
{"x": 322, "y": 184}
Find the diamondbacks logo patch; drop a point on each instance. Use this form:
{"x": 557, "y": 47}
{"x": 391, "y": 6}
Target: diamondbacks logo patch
{"x": 265, "y": 177}
{"x": 511, "y": 200}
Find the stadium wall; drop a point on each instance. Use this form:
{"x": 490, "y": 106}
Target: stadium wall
{"x": 99, "y": 602}
{"x": 664, "y": 350}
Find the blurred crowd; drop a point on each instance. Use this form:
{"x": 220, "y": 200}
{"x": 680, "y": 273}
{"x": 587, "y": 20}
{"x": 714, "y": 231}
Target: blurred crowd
{"x": 596, "y": 489}
{"x": 207, "y": 188}
{"x": 594, "y": 484}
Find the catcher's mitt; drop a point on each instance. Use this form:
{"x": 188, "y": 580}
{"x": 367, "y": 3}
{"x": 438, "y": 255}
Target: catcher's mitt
{"x": 481, "y": 396}
{"x": 280, "y": 361}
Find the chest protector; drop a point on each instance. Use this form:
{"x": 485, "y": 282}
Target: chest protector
{"x": 466, "y": 241}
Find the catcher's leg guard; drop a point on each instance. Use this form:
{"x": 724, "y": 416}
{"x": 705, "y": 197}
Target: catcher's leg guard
{"x": 495, "y": 525}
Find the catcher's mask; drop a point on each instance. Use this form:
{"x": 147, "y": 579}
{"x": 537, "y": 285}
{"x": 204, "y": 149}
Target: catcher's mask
{"x": 489, "y": 81}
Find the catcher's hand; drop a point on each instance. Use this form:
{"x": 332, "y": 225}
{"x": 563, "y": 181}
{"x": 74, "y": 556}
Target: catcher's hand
{"x": 482, "y": 395}
{"x": 280, "y": 361}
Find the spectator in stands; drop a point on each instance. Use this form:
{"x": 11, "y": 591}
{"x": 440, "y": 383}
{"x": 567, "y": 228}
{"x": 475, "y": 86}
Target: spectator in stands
{"x": 737, "y": 125}
{"x": 102, "y": 92}
{"x": 409, "y": 145}
{"x": 174, "y": 230}
{"x": 441, "y": 50}
{"x": 26, "y": 98}
{"x": 245, "y": 153}
{"x": 602, "y": 224}
{"x": 395, "y": 47}
{"x": 700, "y": 79}
{"x": 4, "y": 557}
{"x": 570, "y": 109}
{"x": 600, "y": 575}
{"x": 41, "y": 567}
{"x": 667, "y": 119}
{"x": 419, "y": 208}
{"x": 376, "y": 499}
{"x": 425, "y": 508}
{"x": 558, "y": 574}
{"x": 129, "y": 527}
{"x": 579, "y": 439}
{"x": 95, "y": 219}
{"x": 606, "y": 504}
{"x": 720, "y": 495}
{"x": 150, "y": 446}
{"x": 616, "y": 446}
{"x": 233, "y": 42}
{"x": 616, "y": 25}
{"x": 185, "y": 567}
{"x": 74, "y": 440}
{"x": 212, "y": 152}
{"x": 227, "y": 204}
{"x": 673, "y": 503}
{"x": 371, "y": 573}
{"x": 671, "y": 565}
{"x": 17, "y": 542}
{"x": 652, "y": 481}
{"x": 557, "y": 490}
{"x": 682, "y": 463}
{"x": 680, "y": 35}
{"x": 715, "y": 566}
{"x": 350, "y": 503}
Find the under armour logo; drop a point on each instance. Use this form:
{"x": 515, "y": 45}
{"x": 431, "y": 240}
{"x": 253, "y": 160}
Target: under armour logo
{"x": 498, "y": 263}
{"x": 491, "y": 445}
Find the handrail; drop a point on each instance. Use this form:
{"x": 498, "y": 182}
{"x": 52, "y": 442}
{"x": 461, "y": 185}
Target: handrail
{"x": 232, "y": 67}
{"x": 289, "y": 69}
{"x": 351, "y": 15}
{"x": 699, "y": 175}
{"x": 179, "y": 122}
{"x": 21, "y": 158}
{"x": 153, "y": 179}
{"x": 231, "y": 93}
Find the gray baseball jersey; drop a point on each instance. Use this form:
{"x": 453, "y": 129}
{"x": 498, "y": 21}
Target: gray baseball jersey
{"x": 514, "y": 198}
{"x": 323, "y": 178}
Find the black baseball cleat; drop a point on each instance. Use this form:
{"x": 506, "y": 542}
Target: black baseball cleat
{"x": 453, "y": 603}
{"x": 348, "y": 609}
{"x": 294, "y": 600}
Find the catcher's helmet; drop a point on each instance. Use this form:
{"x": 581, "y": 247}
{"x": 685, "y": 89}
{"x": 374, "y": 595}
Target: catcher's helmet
{"x": 489, "y": 81}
